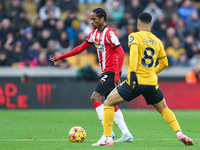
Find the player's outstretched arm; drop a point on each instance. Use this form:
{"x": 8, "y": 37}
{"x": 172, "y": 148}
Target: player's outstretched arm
{"x": 121, "y": 55}
{"x": 55, "y": 60}
{"x": 73, "y": 52}
{"x": 163, "y": 63}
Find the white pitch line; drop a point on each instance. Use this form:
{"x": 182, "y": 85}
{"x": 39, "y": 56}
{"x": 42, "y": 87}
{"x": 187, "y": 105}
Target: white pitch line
{"x": 13, "y": 140}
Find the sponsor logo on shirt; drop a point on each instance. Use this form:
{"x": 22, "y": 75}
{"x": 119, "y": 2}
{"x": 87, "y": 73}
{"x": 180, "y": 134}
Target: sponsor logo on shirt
{"x": 100, "y": 47}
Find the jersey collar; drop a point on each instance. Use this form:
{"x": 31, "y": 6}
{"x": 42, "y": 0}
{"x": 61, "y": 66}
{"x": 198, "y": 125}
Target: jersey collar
{"x": 103, "y": 28}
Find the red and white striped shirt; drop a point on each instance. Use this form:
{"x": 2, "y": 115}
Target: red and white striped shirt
{"x": 105, "y": 42}
{"x": 108, "y": 46}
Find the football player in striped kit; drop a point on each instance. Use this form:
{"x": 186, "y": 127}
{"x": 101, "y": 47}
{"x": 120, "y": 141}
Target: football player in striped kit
{"x": 111, "y": 56}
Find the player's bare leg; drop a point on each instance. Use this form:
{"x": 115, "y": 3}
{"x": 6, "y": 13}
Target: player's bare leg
{"x": 170, "y": 118}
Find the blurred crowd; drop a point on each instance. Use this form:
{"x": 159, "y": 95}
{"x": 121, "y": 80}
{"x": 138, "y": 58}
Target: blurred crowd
{"x": 32, "y": 31}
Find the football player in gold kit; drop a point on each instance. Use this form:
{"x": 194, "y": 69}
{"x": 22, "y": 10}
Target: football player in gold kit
{"x": 145, "y": 50}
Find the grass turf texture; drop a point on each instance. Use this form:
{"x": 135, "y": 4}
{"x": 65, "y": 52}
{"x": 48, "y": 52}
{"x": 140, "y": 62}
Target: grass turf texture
{"x": 48, "y": 129}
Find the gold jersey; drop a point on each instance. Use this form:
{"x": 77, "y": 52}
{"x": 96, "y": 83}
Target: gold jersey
{"x": 145, "y": 49}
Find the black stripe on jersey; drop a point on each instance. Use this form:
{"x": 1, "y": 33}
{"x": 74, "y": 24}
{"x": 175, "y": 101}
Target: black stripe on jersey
{"x": 133, "y": 79}
{"x": 89, "y": 42}
{"x": 162, "y": 57}
{"x": 116, "y": 46}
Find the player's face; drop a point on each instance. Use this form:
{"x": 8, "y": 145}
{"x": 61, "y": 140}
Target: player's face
{"x": 96, "y": 22}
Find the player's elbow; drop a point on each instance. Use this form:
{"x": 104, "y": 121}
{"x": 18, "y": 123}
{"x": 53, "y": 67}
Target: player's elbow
{"x": 165, "y": 65}
{"x": 164, "y": 62}
{"x": 121, "y": 56}
{"x": 120, "y": 51}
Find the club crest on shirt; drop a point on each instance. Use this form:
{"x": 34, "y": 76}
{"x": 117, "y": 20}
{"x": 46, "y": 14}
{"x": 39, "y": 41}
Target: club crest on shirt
{"x": 101, "y": 38}
{"x": 130, "y": 39}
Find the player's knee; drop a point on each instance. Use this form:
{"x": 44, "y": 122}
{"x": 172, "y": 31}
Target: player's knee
{"x": 94, "y": 99}
{"x": 107, "y": 102}
{"x": 161, "y": 105}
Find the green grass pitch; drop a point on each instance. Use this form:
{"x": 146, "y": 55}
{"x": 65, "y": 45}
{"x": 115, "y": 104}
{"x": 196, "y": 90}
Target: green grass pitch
{"x": 47, "y": 129}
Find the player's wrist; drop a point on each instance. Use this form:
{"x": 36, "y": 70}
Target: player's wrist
{"x": 59, "y": 57}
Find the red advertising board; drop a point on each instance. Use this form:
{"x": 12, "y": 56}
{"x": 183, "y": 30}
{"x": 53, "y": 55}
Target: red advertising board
{"x": 70, "y": 93}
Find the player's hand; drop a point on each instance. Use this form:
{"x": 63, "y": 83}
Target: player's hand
{"x": 117, "y": 82}
{"x": 55, "y": 60}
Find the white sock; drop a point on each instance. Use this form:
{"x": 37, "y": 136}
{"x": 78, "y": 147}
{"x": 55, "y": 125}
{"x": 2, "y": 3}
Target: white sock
{"x": 179, "y": 132}
{"x": 119, "y": 120}
{"x": 108, "y": 138}
{"x": 99, "y": 109}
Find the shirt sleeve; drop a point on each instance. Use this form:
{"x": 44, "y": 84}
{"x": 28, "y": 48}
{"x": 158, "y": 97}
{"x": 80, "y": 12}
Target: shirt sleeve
{"x": 75, "y": 51}
{"x": 162, "y": 59}
{"x": 132, "y": 39}
{"x": 133, "y": 46}
{"x": 133, "y": 58}
{"x": 112, "y": 38}
{"x": 163, "y": 63}
{"x": 162, "y": 52}
{"x": 120, "y": 61}
{"x": 90, "y": 38}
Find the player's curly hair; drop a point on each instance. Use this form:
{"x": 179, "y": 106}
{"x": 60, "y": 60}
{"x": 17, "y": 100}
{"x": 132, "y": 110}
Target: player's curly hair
{"x": 145, "y": 17}
{"x": 100, "y": 13}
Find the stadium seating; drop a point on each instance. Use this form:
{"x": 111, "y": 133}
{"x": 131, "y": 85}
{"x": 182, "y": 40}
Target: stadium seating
{"x": 73, "y": 61}
{"x": 31, "y": 10}
{"x": 16, "y": 65}
{"x": 84, "y": 7}
{"x": 64, "y": 16}
{"x": 88, "y": 58}
{"x": 93, "y": 6}
{"x": 83, "y": 59}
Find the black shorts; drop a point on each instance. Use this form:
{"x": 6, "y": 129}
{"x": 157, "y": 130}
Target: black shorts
{"x": 150, "y": 93}
{"x": 106, "y": 83}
